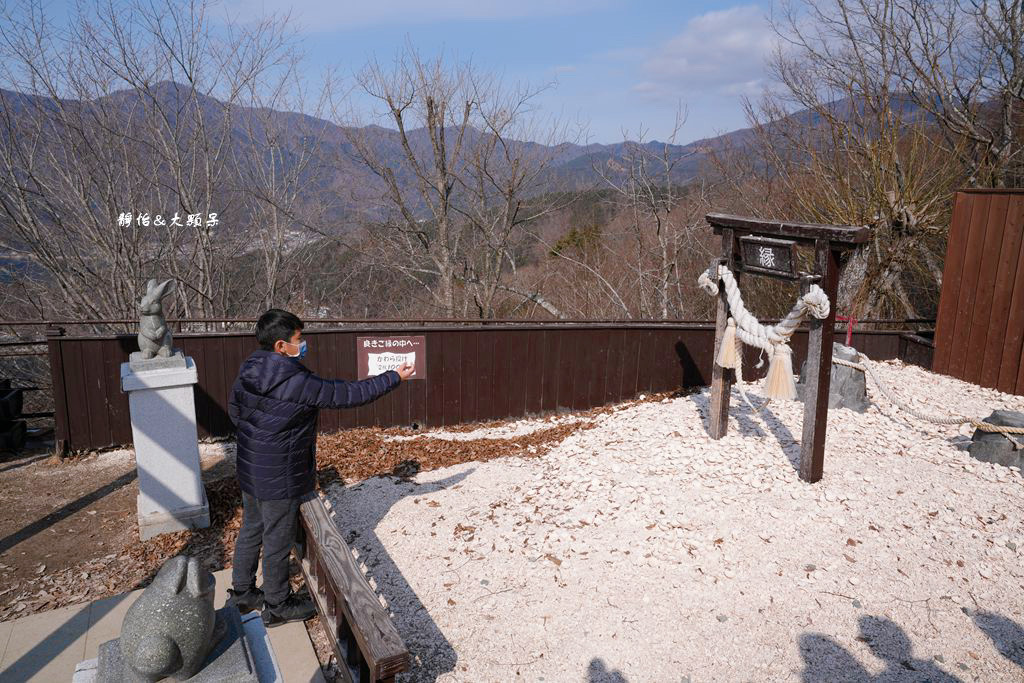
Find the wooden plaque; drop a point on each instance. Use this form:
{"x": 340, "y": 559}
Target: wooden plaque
{"x": 768, "y": 256}
{"x": 377, "y": 355}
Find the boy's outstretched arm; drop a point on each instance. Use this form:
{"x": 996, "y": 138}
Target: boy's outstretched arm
{"x": 339, "y": 393}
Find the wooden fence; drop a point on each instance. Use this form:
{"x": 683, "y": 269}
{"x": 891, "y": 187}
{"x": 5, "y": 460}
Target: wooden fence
{"x": 475, "y": 373}
{"x": 979, "y": 335}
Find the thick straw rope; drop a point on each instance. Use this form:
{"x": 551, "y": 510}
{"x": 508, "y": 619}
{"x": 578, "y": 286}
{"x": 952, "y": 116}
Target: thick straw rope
{"x": 864, "y": 367}
{"x": 744, "y": 328}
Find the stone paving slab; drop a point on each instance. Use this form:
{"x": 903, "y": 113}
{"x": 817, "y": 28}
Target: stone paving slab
{"x": 47, "y": 646}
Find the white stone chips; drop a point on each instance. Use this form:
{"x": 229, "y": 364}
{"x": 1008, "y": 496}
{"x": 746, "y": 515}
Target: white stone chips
{"x": 645, "y": 547}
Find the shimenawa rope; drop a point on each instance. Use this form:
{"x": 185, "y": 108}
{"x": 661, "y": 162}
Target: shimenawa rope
{"x": 744, "y": 328}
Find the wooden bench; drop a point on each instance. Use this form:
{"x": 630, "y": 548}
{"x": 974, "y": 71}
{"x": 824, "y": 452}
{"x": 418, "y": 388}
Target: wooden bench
{"x": 364, "y": 638}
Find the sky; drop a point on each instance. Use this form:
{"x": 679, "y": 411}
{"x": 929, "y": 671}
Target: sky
{"x": 616, "y": 66}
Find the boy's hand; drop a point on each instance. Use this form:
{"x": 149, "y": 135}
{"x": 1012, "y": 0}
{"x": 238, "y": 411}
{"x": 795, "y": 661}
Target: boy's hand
{"x": 405, "y": 370}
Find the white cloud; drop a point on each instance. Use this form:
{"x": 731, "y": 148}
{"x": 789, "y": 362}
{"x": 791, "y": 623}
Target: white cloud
{"x": 326, "y": 15}
{"x": 722, "y": 52}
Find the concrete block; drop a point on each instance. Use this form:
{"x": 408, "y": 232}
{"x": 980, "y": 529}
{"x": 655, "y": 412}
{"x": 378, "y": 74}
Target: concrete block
{"x": 163, "y": 414}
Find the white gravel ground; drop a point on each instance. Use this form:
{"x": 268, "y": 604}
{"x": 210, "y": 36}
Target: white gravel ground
{"x": 120, "y": 456}
{"x": 641, "y": 550}
{"x": 505, "y": 431}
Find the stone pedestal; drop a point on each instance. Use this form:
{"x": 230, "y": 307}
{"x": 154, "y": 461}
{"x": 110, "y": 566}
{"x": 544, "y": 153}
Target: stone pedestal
{"x": 848, "y": 387}
{"x": 163, "y": 413}
{"x": 994, "y": 447}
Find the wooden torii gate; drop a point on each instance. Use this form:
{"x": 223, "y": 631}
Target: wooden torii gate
{"x": 767, "y": 248}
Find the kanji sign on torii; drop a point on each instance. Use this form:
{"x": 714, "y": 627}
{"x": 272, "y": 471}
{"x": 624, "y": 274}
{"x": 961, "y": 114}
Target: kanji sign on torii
{"x": 767, "y": 248}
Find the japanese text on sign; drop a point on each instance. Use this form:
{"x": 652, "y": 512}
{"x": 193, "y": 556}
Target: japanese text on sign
{"x": 378, "y": 363}
{"x": 767, "y": 256}
{"x": 387, "y": 343}
{"x": 376, "y": 355}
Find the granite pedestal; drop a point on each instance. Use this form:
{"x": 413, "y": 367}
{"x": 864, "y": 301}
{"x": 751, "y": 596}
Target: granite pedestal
{"x": 163, "y": 414}
{"x": 994, "y": 447}
{"x": 848, "y": 386}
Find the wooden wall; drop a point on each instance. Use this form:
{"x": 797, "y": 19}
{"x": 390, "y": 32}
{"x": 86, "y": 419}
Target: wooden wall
{"x": 980, "y": 327}
{"x": 474, "y": 373}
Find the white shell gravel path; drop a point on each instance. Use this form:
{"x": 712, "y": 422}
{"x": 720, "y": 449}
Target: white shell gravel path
{"x": 642, "y": 550}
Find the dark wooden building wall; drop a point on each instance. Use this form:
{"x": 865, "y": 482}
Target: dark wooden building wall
{"x": 980, "y": 327}
{"x": 474, "y": 373}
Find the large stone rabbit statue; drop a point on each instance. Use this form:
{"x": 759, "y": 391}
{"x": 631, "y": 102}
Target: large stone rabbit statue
{"x": 154, "y": 336}
{"x": 169, "y": 630}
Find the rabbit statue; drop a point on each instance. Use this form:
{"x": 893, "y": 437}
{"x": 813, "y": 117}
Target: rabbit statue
{"x": 170, "y": 629}
{"x": 154, "y": 336}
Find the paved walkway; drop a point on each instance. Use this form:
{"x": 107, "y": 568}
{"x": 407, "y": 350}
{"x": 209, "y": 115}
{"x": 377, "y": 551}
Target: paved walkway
{"x": 48, "y": 645}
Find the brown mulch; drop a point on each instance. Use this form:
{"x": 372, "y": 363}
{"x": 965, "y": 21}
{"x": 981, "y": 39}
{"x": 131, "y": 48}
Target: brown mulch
{"x": 359, "y": 454}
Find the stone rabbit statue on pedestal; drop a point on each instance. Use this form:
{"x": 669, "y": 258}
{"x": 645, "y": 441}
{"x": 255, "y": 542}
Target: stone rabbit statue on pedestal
{"x": 170, "y": 629}
{"x": 154, "y": 336}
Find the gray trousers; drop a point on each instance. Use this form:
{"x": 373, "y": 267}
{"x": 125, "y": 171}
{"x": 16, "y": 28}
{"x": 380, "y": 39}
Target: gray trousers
{"x": 274, "y": 525}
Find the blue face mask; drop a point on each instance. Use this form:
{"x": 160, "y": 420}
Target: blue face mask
{"x": 302, "y": 350}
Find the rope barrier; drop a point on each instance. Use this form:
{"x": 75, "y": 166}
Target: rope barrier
{"x": 864, "y": 367}
{"x": 743, "y": 328}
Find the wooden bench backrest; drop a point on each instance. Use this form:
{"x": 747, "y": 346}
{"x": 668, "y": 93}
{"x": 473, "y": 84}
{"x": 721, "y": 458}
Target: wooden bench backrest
{"x": 360, "y": 629}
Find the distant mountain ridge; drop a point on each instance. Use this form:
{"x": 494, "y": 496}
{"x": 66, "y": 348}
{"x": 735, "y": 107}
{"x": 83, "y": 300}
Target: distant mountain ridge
{"x": 572, "y": 166}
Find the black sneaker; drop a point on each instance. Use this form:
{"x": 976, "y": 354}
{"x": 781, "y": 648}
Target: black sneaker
{"x": 248, "y": 601}
{"x": 294, "y": 608}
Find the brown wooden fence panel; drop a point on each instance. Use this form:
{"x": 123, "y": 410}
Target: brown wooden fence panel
{"x": 988, "y": 276}
{"x": 953, "y": 271}
{"x": 980, "y": 327}
{"x": 1009, "y": 254}
{"x": 473, "y": 373}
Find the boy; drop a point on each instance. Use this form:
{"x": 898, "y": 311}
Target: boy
{"x": 274, "y": 404}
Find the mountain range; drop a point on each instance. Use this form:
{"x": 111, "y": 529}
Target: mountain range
{"x": 571, "y": 166}
{"x": 355, "y": 187}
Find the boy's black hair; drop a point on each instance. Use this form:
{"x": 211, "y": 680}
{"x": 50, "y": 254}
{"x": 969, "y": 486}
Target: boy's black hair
{"x": 275, "y": 325}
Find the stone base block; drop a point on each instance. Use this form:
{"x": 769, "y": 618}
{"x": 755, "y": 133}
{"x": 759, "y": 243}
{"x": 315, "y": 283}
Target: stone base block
{"x": 848, "y": 387}
{"x": 156, "y": 523}
{"x": 138, "y": 364}
{"x": 994, "y": 447}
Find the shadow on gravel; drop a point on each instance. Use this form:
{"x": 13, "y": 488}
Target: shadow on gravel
{"x": 1006, "y": 634}
{"x": 750, "y": 423}
{"x": 369, "y": 502}
{"x": 598, "y": 672}
{"x": 827, "y": 661}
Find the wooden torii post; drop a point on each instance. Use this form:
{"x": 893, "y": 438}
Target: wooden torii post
{"x": 767, "y": 248}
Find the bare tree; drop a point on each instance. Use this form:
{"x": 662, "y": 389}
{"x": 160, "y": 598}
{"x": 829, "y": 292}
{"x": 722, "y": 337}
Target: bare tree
{"x": 959, "y": 61}
{"x": 665, "y": 210}
{"x": 461, "y": 158}
{"x": 281, "y": 169}
{"x": 120, "y": 157}
{"x": 962, "y": 63}
{"x": 842, "y": 142}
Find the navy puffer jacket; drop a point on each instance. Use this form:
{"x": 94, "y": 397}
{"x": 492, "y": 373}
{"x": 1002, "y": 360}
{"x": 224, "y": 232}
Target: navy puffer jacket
{"x": 274, "y": 404}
